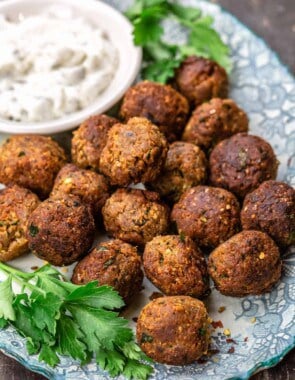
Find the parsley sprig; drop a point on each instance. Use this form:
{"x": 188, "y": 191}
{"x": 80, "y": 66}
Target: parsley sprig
{"x": 162, "y": 58}
{"x": 58, "y": 317}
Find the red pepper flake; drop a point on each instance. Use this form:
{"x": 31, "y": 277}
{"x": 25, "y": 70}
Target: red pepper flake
{"x": 155, "y": 295}
{"x": 221, "y": 309}
{"x": 35, "y": 267}
{"x": 231, "y": 350}
{"x": 217, "y": 324}
{"x": 229, "y": 340}
{"x": 246, "y": 339}
{"x": 135, "y": 319}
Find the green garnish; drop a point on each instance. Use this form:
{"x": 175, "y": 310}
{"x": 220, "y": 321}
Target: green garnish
{"x": 33, "y": 230}
{"x": 202, "y": 331}
{"x": 182, "y": 237}
{"x": 58, "y": 317}
{"x": 145, "y": 338}
{"x": 162, "y": 58}
{"x": 109, "y": 262}
{"x": 21, "y": 154}
{"x": 103, "y": 248}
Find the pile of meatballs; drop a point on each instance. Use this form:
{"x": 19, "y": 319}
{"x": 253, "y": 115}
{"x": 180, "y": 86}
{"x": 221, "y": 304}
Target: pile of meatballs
{"x": 210, "y": 189}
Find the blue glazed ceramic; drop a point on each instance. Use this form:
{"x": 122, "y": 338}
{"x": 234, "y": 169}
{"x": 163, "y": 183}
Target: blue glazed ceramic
{"x": 262, "y": 327}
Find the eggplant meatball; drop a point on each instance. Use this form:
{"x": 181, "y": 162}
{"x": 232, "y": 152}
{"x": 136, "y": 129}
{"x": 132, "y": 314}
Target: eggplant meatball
{"x": 16, "y": 205}
{"x": 208, "y": 215}
{"x": 114, "y": 263}
{"x": 185, "y": 167}
{"x": 241, "y": 163}
{"x": 159, "y": 103}
{"x": 61, "y": 230}
{"x": 91, "y": 187}
{"x": 135, "y": 216}
{"x": 31, "y": 161}
{"x": 247, "y": 263}
{"x": 214, "y": 121}
{"x": 271, "y": 209}
{"x": 173, "y": 330}
{"x": 176, "y": 266}
{"x": 89, "y": 140}
{"x": 135, "y": 152}
{"x": 200, "y": 79}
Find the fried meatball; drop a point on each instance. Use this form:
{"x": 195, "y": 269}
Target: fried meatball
{"x": 16, "y": 205}
{"x": 135, "y": 216}
{"x": 61, "y": 230}
{"x": 176, "y": 266}
{"x": 159, "y": 103}
{"x": 173, "y": 330}
{"x": 208, "y": 215}
{"x": 214, "y": 121}
{"x": 89, "y": 140}
{"x": 200, "y": 79}
{"x": 247, "y": 263}
{"x": 185, "y": 167}
{"x": 31, "y": 161}
{"x": 114, "y": 263}
{"x": 241, "y": 163}
{"x": 91, "y": 187}
{"x": 271, "y": 209}
{"x": 135, "y": 152}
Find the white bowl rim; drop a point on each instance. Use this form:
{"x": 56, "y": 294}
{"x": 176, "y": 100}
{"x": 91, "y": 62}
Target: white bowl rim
{"x": 73, "y": 120}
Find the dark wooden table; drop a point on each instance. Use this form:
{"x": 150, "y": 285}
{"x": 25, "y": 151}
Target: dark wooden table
{"x": 274, "y": 20}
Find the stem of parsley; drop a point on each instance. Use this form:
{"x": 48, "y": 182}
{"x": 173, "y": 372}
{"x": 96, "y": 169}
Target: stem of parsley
{"x": 60, "y": 318}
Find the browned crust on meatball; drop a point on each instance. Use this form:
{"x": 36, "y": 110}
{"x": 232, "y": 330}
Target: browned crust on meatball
{"x": 91, "y": 187}
{"x": 176, "y": 266}
{"x": 135, "y": 215}
{"x": 159, "y": 103}
{"x": 185, "y": 167}
{"x": 31, "y": 161}
{"x": 61, "y": 230}
{"x": 200, "y": 79}
{"x": 89, "y": 140}
{"x": 16, "y": 205}
{"x": 208, "y": 215}
{"x": 114, "y": 263}
{"x": 135, "y": 152}
{"x": 241, "y": 163}
{"x": 271, "y": 209}
{"x": 247, "y": 263}
{"x": 173, "y": 330}
{"x": 214, "y": 121}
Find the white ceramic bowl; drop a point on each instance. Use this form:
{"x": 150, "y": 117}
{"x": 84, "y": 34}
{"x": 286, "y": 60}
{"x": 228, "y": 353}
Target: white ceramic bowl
{"x": 119, "y": 31}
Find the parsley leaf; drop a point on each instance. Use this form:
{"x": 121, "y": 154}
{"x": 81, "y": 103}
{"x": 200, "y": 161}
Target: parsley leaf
{"x": 112, "y": 329}
{"x": 6, "y": 309}
{"x": 136, "y": 370}
{"x": 45, "y": 311}
{"x": 149, "y": 20}
{"x": 58, "y": 317}
{"x": 70, "y": 338}
{"x": 94, "y": 296}
{"x": 160, "y": 58}
{"x": 48, "y": 355}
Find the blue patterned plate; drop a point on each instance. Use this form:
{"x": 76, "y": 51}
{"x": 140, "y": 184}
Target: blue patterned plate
{"x": 262, "y": 327}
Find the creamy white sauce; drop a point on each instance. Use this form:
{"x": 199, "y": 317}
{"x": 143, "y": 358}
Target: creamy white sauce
{"x": 51, "y": 66}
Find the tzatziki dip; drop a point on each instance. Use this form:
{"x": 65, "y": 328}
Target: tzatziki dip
{"x": 51, "y": 66}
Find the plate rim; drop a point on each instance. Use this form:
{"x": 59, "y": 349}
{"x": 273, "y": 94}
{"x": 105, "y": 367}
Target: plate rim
{"x": 261, "y": 365}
